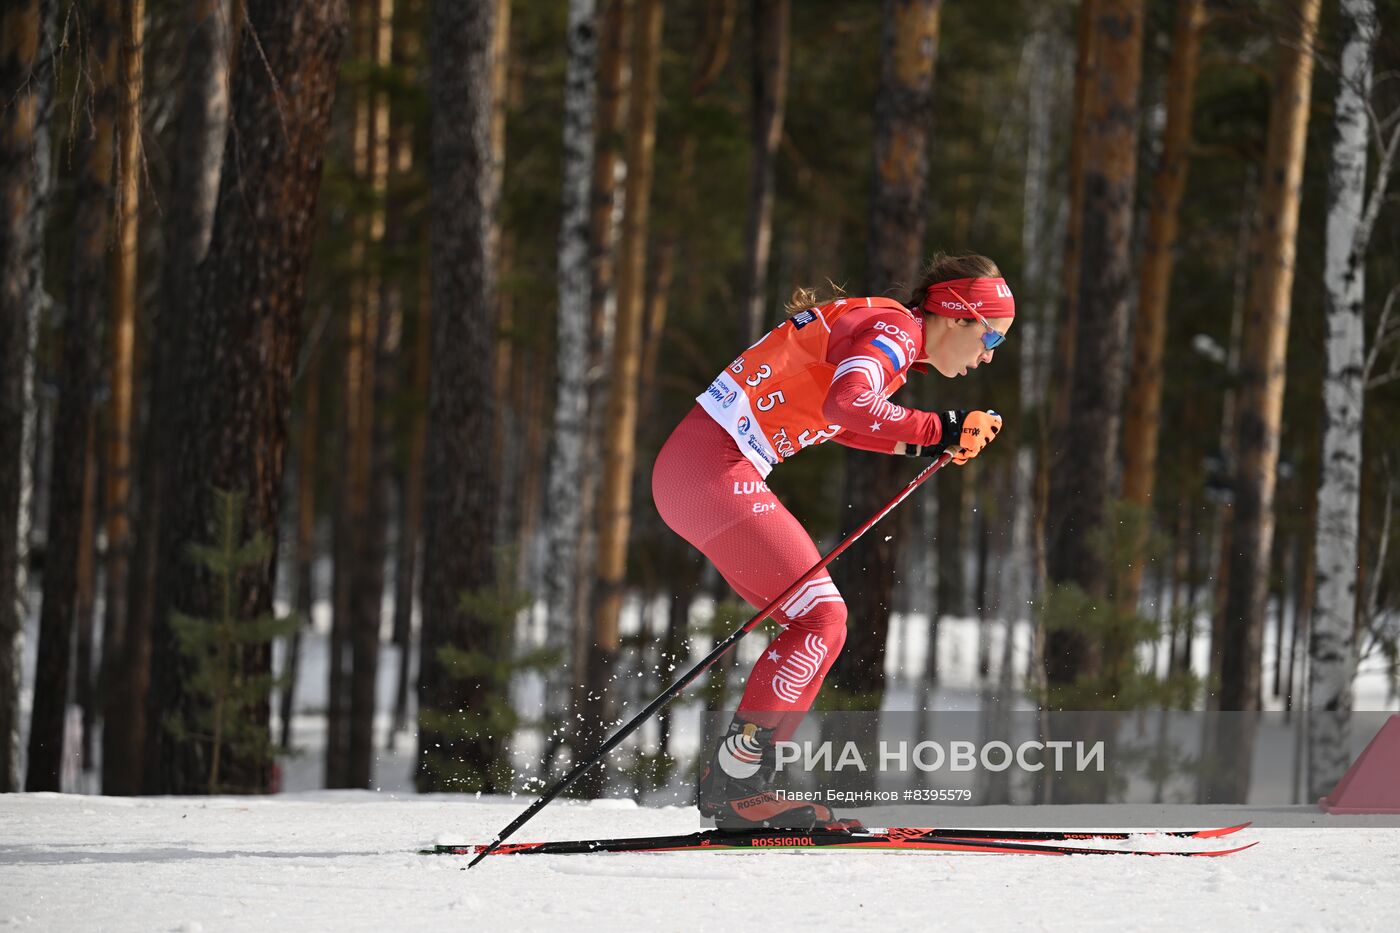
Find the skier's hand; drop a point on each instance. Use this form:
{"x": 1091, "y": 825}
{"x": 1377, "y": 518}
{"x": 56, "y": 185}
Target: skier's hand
{"x": 974, "y": 430}
{"x": 979, "y": 428}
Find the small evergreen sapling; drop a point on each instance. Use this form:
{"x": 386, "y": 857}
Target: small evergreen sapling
{"x": 231, "y": 708}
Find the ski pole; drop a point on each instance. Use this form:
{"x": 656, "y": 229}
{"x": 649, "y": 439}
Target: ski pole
{"x": 715, "y": 654}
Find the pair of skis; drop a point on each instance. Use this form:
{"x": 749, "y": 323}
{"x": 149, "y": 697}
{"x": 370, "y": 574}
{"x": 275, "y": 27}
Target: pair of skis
{"x": 981, "y": 841}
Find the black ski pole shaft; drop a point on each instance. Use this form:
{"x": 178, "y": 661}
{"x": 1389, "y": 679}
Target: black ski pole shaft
{"x": 715, "y": 654}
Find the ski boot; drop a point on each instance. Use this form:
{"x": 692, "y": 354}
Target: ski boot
{"x": 736, "y": 787}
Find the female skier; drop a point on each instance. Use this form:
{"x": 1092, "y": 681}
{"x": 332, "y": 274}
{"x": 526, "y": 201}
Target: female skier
{"x": 826, "y": 373}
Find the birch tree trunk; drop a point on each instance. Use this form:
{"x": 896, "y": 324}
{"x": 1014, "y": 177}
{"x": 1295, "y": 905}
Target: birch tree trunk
{"x": 1144, "y": 401}
{"x": 608, "y": 203}
{"x": 619, "y": 456}
{"x": 1332, "y": 648}
{"x": 199, "y": 146}
{"x": 459, "y": 505}
{"x": 896, "y": 224}
{"x": 1262, "y": 374}
{"x": 572, "y": 399}
{"x": 1036, "y": 319}
{"x": 26, "y": 83}
{"x": 235, "y": 379}
{"x": 770, "y": 80}
{"x": 1040, "y": 66}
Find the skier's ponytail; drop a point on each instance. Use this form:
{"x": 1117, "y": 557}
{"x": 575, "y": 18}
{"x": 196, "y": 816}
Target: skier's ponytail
{"x": 804, "y": 297}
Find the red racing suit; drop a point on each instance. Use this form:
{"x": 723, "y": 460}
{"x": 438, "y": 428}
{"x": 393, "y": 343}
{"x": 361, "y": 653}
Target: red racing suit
{"x": 824, "y": 374}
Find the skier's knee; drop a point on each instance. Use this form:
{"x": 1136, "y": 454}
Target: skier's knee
{"x": 834, "y": 631}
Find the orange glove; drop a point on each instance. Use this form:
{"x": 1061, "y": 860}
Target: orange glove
{"x": 965, "y": 433}
{"x": 979, "y": 428}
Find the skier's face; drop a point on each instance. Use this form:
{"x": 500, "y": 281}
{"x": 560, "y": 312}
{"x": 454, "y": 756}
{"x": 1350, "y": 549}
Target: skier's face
{"x": 958, "y": 345}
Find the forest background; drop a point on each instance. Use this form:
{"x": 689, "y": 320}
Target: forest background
{"x": 362, "y": 322}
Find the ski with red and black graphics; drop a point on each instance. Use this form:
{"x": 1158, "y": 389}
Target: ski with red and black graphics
{"x": 903, "y": 839}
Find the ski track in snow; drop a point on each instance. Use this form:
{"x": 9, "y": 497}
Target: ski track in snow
{"x": 346, "y": 861}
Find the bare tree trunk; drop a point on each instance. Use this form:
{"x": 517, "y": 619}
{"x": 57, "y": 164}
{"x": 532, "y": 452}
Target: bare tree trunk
{"x": 1220, "y": 526}
{"x": 572, "y": 398}
{"x": 1262, "y": 373}
{"x": 1143, "y": 405}
{"x": 608, "y": 203}
{"x": 84, "y": 598}
{"x": 458, "y": 751}
{"x": 235, "y": 377}
{"x": 714, "y": 44}
{"x": 407, "y": 55}
{"x": 1041, "y": 62}
{"x": 1333, "y": 651}
{"x": 86, "y": 304}
{"x": 896, "y": 224}
{"x": 304, "y": 557}
{"x": 770, "y": 79}
{"x": 27, "y": 87}
{"x": 352, "y": 483}
{"x": 87, "y": 297}
{"x": 410, "y": 530}
{"x": 1053, "y": 451}
{"x": 615, "y": 495}
{"x": 189, "y": 225}
{"x": 70, "y": 504}
{"x": 380, "y": 351}
{"x": 121, "y": 770}
{"x": 1082, "y": 488}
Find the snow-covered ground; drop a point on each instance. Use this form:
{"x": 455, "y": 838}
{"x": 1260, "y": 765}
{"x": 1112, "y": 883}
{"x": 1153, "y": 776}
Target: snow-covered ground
{"x": 346, "y": 861}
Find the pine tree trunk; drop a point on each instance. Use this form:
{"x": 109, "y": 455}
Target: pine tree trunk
{"x": 1053, "y": 449}
{"x": 713, "y": 54}
{"x": 1262, "y": 372}
{"x": 73, "y": 421}
{"x": 189, "y": 220}
{"x": 1332, "y": 649}
{"x": 121, "y": 772}
{"x": 951, "y": 591}
{"x": 380, "y": 351}
{"x": 619, "y": 455}
{"x": 84, "y": 599}
{"x": 304, "y": 557}
{"x": 572, "y": 398}
{"x": 460, "y": 499}
{"x": 770, "y": 80}
{"x": 26, "y": 83}
{"x": 349, "y": 488}
{"x": 353, "y": 486}
{"x": 399, "y": 240}
{"x": 1143, "y": 405}
{"x": 69, "y": 503}
{"x": 1082, "y": 487}
{"x": 406, "y": 569}
{"x": 895, "y": 245}
{"x": 234, "y": 380}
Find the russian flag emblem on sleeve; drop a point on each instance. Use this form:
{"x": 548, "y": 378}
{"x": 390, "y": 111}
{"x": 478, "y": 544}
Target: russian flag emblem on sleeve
{"x": 892, "y": 350}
